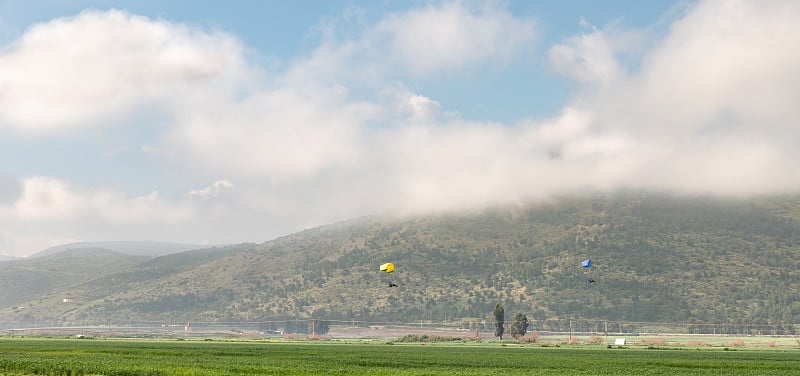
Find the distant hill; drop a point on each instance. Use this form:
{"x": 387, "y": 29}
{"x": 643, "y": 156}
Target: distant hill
{"x": 26, "y": 278}
{"x": 692, "y": 261}
{"x": 7, "y": 258}
{"x": 141, "y": 248}
{"x": 93, "y": 278}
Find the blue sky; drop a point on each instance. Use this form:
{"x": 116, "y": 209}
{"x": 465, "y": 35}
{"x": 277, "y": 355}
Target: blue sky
{"x": 223, "y": 122}
{"x": 282, "y": 31}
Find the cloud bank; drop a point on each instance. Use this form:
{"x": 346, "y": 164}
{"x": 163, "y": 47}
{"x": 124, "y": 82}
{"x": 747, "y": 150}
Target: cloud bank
{"x": 709, "y": 108}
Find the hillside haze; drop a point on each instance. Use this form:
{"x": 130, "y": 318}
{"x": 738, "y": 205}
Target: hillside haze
{"x": 655, "y": 259}
{"x": 141, "y": 248}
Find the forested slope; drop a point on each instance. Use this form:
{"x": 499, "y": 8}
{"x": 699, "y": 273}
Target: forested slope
{"x": 656, "y": 259}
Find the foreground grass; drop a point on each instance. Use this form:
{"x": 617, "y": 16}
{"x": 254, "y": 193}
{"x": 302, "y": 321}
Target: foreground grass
{"x": 145, "y": 357}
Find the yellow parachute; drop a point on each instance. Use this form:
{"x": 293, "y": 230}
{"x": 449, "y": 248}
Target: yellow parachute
{"x": 387, "y": 267}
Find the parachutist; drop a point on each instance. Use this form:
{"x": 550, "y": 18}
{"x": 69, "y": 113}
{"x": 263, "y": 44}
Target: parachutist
{"x": 592, "y": 281}
{"x": 388, "y": 268}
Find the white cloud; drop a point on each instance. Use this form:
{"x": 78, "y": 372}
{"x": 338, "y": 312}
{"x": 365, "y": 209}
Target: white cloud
{"x": 711, "y": 106}
{"x": 48, "y": 199}
{"x": 421, "y": 107}
{"x": 119, "y": 208}
{"x": 710, "y": 109}
{"x": 588, "y": 58}
{"x": 50, "y": 211}
{"x": 448, "y": 37}
{"x": 219, "y": 188}
{"x": 725, "y": 67}
{"x": 454, "y": 35}
{"x": 282, "y": 134}
{"x": 98, "y": 66}
{"x": 413, "y": 108}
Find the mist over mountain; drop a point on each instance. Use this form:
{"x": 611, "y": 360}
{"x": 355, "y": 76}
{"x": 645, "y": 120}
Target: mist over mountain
{"x": 656, "y": 258}
{"x": 212, "y": 135}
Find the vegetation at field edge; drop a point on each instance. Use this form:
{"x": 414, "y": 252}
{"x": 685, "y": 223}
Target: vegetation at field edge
{"x": 143, "y": 357}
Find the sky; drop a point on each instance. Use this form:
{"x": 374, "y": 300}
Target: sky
{"x": 209, "y": 122}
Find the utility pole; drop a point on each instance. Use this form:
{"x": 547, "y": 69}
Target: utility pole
{"x": 570, "y": 330}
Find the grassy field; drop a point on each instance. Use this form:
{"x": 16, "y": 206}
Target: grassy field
{"x": 54, "y": 356}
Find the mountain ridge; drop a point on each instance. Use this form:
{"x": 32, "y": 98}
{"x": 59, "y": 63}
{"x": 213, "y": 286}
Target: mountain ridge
{"x": 27, "y": 278}
{"x": 132, "y": 247}
{"x": 656, "y": 258}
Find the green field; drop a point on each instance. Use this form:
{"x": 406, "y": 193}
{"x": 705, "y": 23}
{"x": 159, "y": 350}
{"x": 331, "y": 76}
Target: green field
{"x": 53, "y": 356}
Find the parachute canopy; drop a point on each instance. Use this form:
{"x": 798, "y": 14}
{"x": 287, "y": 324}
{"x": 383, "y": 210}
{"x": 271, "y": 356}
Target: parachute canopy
{"x": 586, "y": 263}
{"x": 387, "y": 267}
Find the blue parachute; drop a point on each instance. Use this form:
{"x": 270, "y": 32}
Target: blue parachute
{"x": 586, "y": 265}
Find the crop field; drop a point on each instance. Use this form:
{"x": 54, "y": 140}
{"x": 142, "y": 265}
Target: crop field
{"x": 70, "y": 356}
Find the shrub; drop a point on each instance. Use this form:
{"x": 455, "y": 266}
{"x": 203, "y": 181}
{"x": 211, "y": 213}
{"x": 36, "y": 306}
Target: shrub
{"x": 660, "y": 341}
{"x": 736, "y": 343}
{"x": 596, "y": 340}
{"x": 427, "y": 338}
{"x": 573, "y": 341}
{"x": 476, "y": 336}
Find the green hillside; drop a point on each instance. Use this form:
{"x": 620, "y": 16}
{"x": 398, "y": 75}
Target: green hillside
{"x": 97, "y": 278}
{"x": 656, "y": 259}
{"x": 24, "y": 279}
